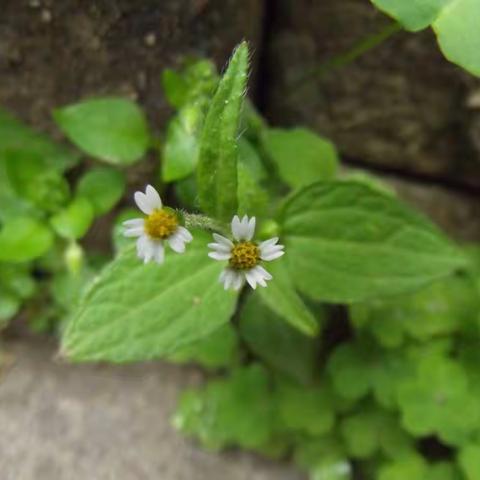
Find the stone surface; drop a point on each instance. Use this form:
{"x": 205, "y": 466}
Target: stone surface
{"x": 63, "y": 422}
{"x": 401, "y": 106}
{"x": 54, "y": 52}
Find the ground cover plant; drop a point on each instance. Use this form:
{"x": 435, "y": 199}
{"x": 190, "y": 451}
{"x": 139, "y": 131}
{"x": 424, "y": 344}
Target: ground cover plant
{"x": 338, "y": 325}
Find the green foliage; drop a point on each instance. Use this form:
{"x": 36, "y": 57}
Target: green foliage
{"x": 300, "y": 155}
{"x": 348, "y": 243}
{"x": 441, "y": 308}
{"x": 431, "y": 400}
{"x": 217, "y": 165}
{"x": 217, "y": 350}
{"x": 455, "y": 23}
{"x": 137, "y": 312}
{"x": 14, "y": 137}
{"x": 275, "y": 342}
{"x": 23, "y": 239}
{"x": 102, "y": 187}
{"x": 110, "y": 129}
{"x": 349, "y": 393}
{"x": 233, "y": 411}
{"x": 74, "y": 220}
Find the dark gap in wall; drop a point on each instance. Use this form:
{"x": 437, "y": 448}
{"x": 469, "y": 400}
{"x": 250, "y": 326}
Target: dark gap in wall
{"x": 260, "y": 95}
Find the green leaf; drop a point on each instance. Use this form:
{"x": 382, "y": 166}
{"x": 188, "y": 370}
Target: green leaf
{"x": 16, "y": 136}
{"x": 284, "y": 300}
{"x": 217, "y": 350}
{"x": 431, "y": 400}
{"x": 136, "y": 312}
{"x": 34, "y": 180}
{"x": 444, "y": 471}
{"x": 23, "y": 239}
{"x": 324, "y": 458}
{"x": 252, "y": 198}
{"x": 110, "y": 129}
{"x": 358, "y": 369}
{"x": 412, "y": 467}
{"x": 277, "y": 343}
{"x": 454, "y": 21}
{"x": 305, "y": 410}
{"x": 195, "y": 82}
{"x": 181, "y": 148}
{"x": 372, "y": 430}
{"x": 217, "y": 165}
{"x": 441, "y": 308}
{"x": 346, "y": 243}
{"x": 469, "y": 461}
{"x": 74, "y": 220}
{"x": 234, "y": 411}
{"x": 458, "y": 34}
{"x": 102, "y": 187}
{"x": 300, "y": 155}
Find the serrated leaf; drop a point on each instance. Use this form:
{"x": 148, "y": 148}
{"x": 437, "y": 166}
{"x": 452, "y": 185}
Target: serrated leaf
{"x": 301, "y": 156}
{"x": 275, "y": 342}
{"x": 102, "y": 187}
{"x": 110, "y": 129}
{"x": 346, "y": 243}
{"x": 235, "y": 411}
{"x": 135, "y": 312}
{"x": 217, "y": 165}
{"x": 74, "y": 220}
{"x": 23, "y": 239}
{"x": 454, "y": 21}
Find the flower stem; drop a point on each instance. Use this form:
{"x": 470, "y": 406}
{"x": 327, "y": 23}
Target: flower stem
{"x": 193, "y": 220}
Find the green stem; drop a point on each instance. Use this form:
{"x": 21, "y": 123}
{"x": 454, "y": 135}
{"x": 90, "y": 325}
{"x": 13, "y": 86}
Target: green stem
{"x": 351, "y": 55}
{"x": 193, "y": 220}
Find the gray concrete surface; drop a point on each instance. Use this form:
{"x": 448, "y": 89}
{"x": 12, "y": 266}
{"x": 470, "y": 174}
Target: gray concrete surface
{"x": 63, "y": 422}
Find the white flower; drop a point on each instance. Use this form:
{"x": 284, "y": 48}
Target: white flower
{"x": 161, "y": 225}
{"x": 244, "y": 255}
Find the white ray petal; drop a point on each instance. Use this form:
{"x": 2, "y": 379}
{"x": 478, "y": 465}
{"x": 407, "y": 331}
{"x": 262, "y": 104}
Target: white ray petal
{"x": 153, "y": 197}
{"x": 219, "y": 255}
{"x": 261, "y": 271}
{"x": 176, "y": 242}
{"x": 134, "y": 222}
{"x": 236, "y": 228}
{"x": 159, "y": 253}
{"x": 218, "y": 247}
{"x": 268, "y": 243}
{"x": 251, "y": 278}
{"x": 134, "y": 232}
{"x": 272, "y": 255}
{"x": 142, "y": 203}
{"x": 239, "y": 280}
{"x": 250, "y": 229}
{"x": 223, "y": 240}
{"x": 185, "y": 234}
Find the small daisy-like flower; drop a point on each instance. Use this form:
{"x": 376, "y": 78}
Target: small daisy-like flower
{"x": 244, "y": 255}
{"x": 161, "y": 225}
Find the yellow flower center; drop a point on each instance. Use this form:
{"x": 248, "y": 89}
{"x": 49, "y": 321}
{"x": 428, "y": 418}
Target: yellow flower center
{"x": 245, "y": 255}
{"x": 161, "y": 223}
